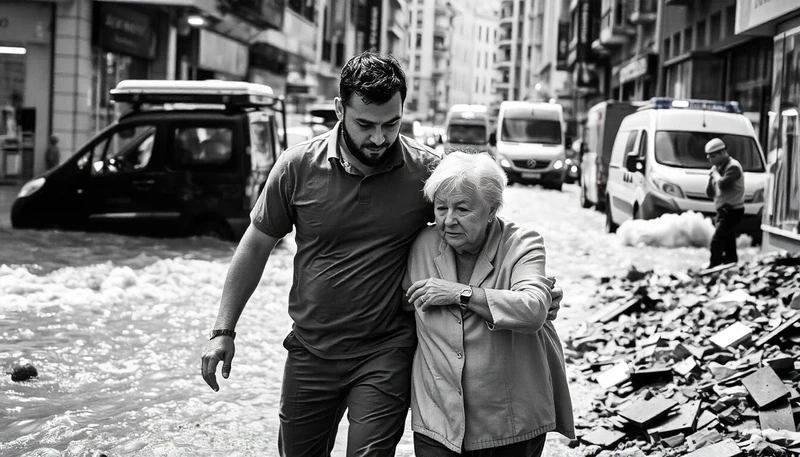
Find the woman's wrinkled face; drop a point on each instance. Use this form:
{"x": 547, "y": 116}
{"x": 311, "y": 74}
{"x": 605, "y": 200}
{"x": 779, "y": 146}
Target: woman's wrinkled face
{"x": 462, "y": 220}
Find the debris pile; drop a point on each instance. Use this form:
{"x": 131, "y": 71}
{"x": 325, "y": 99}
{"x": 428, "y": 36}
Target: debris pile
{"x": 702, "y": 363}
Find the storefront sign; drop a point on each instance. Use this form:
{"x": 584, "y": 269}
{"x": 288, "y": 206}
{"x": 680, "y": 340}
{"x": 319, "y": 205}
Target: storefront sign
{"x": 126, "y": 31}
{"x": 562, "y": 51}
{"x": 368, "y": 28}
{"x": 218, "y": 53}
{"x": 636, "y": 68}
{"x": 263, "y": 13}
{"x": 753, "y": 13}
{"x": 25, "y": 23}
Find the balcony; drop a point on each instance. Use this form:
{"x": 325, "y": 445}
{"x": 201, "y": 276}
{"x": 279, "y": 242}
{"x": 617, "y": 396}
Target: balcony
{"x": 506, "y": 21}
{"x": 642, "y": 11}
{"x": 504, "y": 41}
{"x": 614, "y": 29}
{"x": 503, "y": 63}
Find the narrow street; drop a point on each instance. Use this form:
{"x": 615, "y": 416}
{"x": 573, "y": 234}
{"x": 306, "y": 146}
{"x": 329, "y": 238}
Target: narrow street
{"x": 115, "y": 326}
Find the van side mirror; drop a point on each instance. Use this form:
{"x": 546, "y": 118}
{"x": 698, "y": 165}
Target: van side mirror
{"x": 633, "y": 163}
{"x": 493, "y": 139}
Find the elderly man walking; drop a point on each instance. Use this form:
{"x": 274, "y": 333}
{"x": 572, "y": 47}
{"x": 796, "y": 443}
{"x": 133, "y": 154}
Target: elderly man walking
{"x": 726, "y": 186}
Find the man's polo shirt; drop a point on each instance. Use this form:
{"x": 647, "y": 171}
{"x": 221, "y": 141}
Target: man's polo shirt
{"x": 353, "y": 234}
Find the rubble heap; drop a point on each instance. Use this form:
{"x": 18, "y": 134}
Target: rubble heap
{"x": 702, "y": 363}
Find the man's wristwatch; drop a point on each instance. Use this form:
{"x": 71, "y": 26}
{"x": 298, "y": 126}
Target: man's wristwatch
{"x": 221, "y": 332}
{"x": 464, "y": 296}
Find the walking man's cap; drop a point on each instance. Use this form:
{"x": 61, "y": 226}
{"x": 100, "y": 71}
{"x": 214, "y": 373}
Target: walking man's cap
{"x": 715, "y": 145}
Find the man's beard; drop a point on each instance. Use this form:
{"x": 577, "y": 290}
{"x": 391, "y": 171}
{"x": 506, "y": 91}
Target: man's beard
{"x": 366, "y": 159}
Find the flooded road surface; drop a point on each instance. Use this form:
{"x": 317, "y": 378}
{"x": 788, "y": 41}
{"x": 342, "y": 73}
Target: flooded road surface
{"x": 115, "y": 326}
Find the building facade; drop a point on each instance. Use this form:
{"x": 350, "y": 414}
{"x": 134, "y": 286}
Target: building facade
{"x": 429, "y": 54}
{"x": 472, "y": 72}
{"x": 778, "y": 23}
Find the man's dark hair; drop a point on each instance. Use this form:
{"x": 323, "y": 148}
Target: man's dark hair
{"x": 373, "y": 77}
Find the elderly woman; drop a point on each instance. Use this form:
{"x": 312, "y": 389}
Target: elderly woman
{"x": 488, "y": 375}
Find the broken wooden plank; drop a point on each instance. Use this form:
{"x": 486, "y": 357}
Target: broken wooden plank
{"x": 732, "y": 336}
{"x": 644, "y": 376}
{"x": 686, "y": 366}
{"x": 614, "y": 376}
{"x": 645, "y": 412}
{"x": 795, "y": 318}
{"x": 603, "y": 437}
{"x": 778, "y": 417}
{"x": 765, "y": 387}
{"x": 717, "y": 269}
{"x": 725, "y": 448}
{"x": 682, "y": 422}
{"x": 613, "y": 311}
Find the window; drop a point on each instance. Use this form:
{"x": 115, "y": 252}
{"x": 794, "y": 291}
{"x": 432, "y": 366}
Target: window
{"x": 676, "y": 44}
{"x": 667, "y": 48}
{"x": 715, "y": 28}
{"x": 631, "y": 142}
{"x": 201, "y": 146}
{"x": 684, "y": 149}
{"x": 304, "y": 8}
{"x": 126, "y": 149}
{"x": 687, "y": 39}
{"x": 701, "y": 34}
{"x": 643, "y": 145}
{"x": 419, "y": 41}
{"x": 618, "y": 150}
{"x": 529, "y": 130}
{"x": 730, "y": 21}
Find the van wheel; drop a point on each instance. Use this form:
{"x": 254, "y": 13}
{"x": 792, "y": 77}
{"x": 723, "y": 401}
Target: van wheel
{"x": 213, "y": 228}
{"x": 637, "y": 213}
{"x": 585, "y": 203}
{"x": 557, "y": 186}
{"x": 611, "y": 227}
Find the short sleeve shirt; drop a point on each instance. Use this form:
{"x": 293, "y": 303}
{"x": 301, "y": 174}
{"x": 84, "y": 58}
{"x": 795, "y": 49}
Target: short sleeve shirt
{"x": 353, "y": 234}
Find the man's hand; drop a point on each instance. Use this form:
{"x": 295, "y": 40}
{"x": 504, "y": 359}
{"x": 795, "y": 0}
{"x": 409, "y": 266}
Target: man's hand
{"x": 219, "y": 349}
{"x": 557, "y": 294}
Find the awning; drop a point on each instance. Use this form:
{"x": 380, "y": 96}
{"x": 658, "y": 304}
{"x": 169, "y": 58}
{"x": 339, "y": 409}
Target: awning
{"x": 208, "y": 6}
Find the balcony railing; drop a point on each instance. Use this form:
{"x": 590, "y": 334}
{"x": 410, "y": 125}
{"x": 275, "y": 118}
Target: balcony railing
{"x": 642, "y": 11}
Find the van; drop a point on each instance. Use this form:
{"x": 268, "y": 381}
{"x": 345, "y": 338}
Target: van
{"x": 530, "y": 142}
{"x": 602, "y": 123}
{"x": 467, "y": 128}
{"x": 188, "y": 158}
{"x": 658, "y": 163}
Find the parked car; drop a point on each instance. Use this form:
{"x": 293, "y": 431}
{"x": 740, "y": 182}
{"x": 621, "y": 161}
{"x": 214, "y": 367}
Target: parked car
{"x": 602, "y": 123}
{"x": 573, "y": 162}
{"x": 164, "y": 169}
{"x": 658, "y": 163}
{"x": 530, "y": 142}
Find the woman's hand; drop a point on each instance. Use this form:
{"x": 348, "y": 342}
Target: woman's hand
{"x": 434, "y": 292}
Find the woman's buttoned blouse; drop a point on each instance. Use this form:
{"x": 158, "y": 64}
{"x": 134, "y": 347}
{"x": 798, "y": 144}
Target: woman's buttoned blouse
{"x": 475, "y": 384}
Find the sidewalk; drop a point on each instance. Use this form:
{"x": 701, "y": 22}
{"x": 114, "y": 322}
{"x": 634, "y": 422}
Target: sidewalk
{"x": 8, "y": 192}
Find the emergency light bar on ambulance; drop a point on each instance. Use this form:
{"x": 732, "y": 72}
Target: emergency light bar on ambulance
{"x": 200, "y": 92}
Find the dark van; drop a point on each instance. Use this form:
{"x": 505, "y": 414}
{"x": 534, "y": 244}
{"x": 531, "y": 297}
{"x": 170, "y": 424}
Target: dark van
{"x": 188, "y": 158}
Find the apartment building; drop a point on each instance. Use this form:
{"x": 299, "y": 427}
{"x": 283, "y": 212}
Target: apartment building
{"x": 472, "y": 53}
{"x": 429, "y": 52}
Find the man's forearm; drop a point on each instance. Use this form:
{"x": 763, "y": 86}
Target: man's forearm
{"x": 243, "y": 277}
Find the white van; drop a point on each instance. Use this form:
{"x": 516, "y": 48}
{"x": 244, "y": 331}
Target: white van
{"x": 467, "y": 128}
{"x": 658, "y": 163}
{"x": 530, "y": 142}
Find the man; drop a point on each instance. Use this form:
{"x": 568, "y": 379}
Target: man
{"x": 726, "y": 186}
{"x": 354, "y": 197}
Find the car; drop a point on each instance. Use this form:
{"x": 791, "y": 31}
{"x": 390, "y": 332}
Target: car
{"x": 602, "y": 122}
{"x": 530, "y": 142}
{"x": 658, "y": 163}
{"x": 187, "y": 158}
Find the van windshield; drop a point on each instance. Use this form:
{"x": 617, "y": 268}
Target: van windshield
{"x": 527, "y": 130}
{"x": 466, "y": 134}
{"x": 687, "y": 149}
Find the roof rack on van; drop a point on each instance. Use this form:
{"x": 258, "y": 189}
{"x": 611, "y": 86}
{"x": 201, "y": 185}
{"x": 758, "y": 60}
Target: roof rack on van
{"x": 229, "y": 93}
{"x": 689, "y": 103}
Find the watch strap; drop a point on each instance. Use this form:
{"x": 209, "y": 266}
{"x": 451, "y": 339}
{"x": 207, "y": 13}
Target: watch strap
{"x": 221, "y": 332}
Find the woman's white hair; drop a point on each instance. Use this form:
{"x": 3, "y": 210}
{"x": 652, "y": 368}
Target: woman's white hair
{"x": 476, "y": 175}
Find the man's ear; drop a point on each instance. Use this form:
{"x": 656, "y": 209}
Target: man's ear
{"x": 338, "y": 106}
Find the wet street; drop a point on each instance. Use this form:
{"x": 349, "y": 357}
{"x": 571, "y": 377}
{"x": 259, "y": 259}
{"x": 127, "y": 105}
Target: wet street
{"x": 115, "y": 326}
